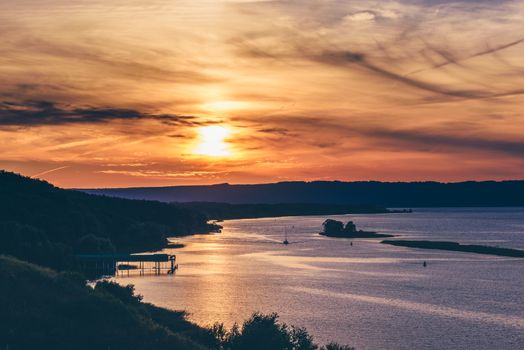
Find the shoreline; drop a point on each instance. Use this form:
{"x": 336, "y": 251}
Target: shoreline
{"x": 457, "y": 247}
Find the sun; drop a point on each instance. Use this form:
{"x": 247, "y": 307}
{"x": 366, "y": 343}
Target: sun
{"x": 212, "y": 141}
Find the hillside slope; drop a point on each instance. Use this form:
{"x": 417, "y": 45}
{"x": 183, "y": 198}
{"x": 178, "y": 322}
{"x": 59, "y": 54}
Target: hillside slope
{"x": 43, "y": 309}
{"x": 46, "y": 225}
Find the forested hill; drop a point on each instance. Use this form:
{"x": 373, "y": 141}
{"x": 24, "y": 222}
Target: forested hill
{"x": 47, "y": 225}
{"x": 386, "y": 194}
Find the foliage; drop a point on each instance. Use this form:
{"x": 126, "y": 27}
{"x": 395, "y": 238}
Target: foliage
{"x": 43, "y": 309}
{"x": 334, "y": 227}
{"x": 261, "y": 332}
{"x": 93, "y": 244}
{"x": 47, "y": 225}
{"x": 125, "y": 294}
{"x": 336, "y": 346}
{"x": 331, "y": 226}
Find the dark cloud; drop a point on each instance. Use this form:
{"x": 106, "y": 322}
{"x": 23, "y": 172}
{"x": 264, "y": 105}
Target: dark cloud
{"x": 346, "y": 58}
{"x": 275, "y": 131}
{"x": 453, "y": 59}
{"x": 445, "y": 139}
{"x": 428, "y": 140}
{"x": 35, "y": 113}
{"x": 178, "y": 136}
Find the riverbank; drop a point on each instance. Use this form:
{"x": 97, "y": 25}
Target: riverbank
{"x": 43, "y": 308}
{"x": 457, "y": 247}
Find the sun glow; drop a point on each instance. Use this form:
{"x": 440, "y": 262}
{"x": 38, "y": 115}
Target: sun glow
{"x": 212, "y": 141}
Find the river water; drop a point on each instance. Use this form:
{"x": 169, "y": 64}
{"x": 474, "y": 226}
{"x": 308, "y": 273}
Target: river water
{"x": 368, "y": 295}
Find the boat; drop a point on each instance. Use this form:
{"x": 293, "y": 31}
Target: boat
{"x": 285, "y": 242}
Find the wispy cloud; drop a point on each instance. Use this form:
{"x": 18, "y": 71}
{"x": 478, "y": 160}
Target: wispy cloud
{"x": 116, "y": 90}
{"x": 35, "y": 113}
{"x": 49, "y": 171}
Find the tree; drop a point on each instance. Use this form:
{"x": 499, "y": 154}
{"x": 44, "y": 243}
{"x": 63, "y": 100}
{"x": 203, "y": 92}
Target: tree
{"x": 350, "y": 227}
{"x": 332, "y": 226}
{"x": 336, "y": 346}
{"x": 91, "y": 244}
{"x": 262, "y": 332}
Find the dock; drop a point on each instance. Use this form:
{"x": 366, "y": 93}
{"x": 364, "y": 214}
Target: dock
{"x": 122, "y": 264}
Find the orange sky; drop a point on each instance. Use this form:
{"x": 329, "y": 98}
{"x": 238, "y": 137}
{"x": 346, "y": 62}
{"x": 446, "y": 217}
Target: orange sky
{"x": 145, "y": 93}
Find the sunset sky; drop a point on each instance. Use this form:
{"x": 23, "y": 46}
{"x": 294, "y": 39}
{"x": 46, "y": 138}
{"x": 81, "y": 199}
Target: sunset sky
{"x": 120, "y": 93}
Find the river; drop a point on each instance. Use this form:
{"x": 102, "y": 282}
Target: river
{"x": 368, "y": 295}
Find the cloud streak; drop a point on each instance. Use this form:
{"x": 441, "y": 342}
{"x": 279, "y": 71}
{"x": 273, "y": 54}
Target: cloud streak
{"x": 391, "y": 90}
{"x": 36, "y": 113}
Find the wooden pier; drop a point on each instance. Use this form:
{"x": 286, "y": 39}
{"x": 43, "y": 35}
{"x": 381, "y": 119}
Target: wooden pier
{"x": 125, "y": 264}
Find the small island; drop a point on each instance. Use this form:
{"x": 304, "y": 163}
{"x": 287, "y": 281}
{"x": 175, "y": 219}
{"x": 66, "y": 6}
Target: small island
{"x": 335, "y": 228}
{"x": 457, "y": 247}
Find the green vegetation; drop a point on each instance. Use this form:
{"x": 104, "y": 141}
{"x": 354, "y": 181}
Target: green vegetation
{"x": 47, "y": 225}
{"x": 457, "y": 247}
{"x": 225, "y": 211}
{"x": 335, "y": 228}
{"x": 44, "y": 309}
{"x": 262, "y": 332}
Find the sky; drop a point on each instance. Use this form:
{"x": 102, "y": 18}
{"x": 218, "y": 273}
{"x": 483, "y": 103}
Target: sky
{"x": 122, "y": 93}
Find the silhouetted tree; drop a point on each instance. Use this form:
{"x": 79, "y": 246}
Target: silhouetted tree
{"x": 261, "y": 332}
{"x": 336, "y": 346}
{"x": 350, "y": 227}
{"x": 94, "y": 244}
{"x": 301, "y": 339}
{"x": 126, "y": 294}
{"x": 264, "y": 332}
{"x": 331, "y": 226}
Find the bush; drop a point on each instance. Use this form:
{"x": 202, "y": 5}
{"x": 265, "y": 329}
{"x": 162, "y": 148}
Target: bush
{"x": 124, "y": 294}
{"x": 262, "y": 332}
{"x": 335, "y": 346}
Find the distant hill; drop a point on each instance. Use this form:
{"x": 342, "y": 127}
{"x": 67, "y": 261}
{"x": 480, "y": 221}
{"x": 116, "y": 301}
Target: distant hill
{"x": 386, "y": 194}
{"x": 226, "y": 211}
